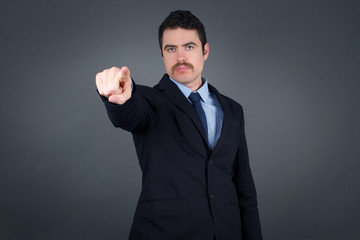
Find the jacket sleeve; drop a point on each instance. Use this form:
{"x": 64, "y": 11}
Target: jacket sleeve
{"x": 133, "y": 116}
{"x": 243, "y": 180}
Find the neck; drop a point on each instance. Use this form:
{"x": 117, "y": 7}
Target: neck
{"x": 195, "y": 85}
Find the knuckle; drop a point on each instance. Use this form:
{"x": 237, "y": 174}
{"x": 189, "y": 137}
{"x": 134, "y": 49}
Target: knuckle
{"x": 105, "y": 72}
{"x": 98, "y": 80}
{"x": 98, "y": 77}
{"x": 106, "y": 92}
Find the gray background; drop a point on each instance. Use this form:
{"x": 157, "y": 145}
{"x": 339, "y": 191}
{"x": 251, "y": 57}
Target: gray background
{"x": 67, "y": 173}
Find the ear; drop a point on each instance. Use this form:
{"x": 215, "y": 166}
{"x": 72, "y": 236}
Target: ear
{"x": 206, "y": 51}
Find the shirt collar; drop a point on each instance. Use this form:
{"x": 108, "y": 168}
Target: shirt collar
{"x": 203, "y": 90}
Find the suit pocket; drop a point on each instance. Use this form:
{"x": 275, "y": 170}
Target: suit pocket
{"x": 164, "y": 211}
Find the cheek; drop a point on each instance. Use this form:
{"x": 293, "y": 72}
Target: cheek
{"x": 200, "y": 63}
{"x": 168, "y": 63}
{"x": 168, "y": 67}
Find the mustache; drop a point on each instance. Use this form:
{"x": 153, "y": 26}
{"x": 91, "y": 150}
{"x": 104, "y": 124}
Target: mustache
{"x": 186, "y": 64}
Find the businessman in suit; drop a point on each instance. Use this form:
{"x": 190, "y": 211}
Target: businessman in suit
{"x": 190, "y": 141}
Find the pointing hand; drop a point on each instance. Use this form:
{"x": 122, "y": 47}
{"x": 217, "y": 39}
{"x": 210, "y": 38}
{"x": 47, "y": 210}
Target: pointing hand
{"x": 115, "y": 84}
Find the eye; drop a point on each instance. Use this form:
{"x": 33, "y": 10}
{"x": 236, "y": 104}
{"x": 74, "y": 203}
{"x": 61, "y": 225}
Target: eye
{"x": 170, "y": 49}
{"x": 189, "y": 47}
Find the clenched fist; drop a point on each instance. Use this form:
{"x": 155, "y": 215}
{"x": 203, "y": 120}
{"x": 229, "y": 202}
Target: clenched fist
{"x": 114, "y": 83}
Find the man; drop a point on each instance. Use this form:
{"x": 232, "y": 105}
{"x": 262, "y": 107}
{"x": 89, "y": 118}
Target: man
{"x": 190, "y": 141}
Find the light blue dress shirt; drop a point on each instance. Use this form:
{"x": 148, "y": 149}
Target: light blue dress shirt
{"x": 212, "y": 108}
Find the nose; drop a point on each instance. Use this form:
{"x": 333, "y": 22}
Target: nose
{"x": 181, "y": 58}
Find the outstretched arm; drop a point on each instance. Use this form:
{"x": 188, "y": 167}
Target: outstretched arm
{"x": 125, "y": 107}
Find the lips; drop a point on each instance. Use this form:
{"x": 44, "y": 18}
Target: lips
{"x": 182, "y": 67}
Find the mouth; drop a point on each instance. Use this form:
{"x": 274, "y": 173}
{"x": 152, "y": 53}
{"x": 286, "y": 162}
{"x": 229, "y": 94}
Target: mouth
{"x": 182, "y": 67}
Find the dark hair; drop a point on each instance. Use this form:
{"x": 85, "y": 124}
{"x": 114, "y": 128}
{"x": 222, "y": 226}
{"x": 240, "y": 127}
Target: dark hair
{"x": 182, "y": 19}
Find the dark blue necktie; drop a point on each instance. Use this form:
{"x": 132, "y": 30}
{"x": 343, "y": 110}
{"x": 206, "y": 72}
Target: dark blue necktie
{"x": 195, "y": 99}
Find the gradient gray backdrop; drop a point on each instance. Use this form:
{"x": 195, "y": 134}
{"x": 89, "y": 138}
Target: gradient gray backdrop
{"x": 67, "y": 173}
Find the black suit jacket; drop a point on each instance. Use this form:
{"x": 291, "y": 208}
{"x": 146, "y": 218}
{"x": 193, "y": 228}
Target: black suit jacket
{"x": 188, "y": 192}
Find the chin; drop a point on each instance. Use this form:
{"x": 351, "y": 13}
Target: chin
{"x": 181, "y": 79}
{"x": 181, "y": 76}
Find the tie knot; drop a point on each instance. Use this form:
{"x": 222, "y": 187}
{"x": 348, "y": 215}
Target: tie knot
{"x": 194, "y": 97}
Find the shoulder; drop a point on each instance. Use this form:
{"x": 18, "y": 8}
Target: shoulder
{"x": 232, "y": 103}
{"x": 152, "y": 96}
{"x": 235, "y": 107}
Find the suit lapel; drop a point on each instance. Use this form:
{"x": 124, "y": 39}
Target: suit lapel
{"x": 174, "y": 94}
{"x": 227, "y": 118}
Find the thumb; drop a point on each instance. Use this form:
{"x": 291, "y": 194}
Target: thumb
{"x": 117, "y": 99}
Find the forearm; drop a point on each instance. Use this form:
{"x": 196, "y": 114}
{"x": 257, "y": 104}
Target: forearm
{"x": 133, "y": 115}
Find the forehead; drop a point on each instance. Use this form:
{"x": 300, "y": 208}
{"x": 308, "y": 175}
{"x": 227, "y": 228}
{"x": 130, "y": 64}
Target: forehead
{"x": 180, "y": 36}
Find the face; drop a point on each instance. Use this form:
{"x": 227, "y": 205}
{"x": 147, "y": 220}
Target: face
{"x": 183, "y": 56}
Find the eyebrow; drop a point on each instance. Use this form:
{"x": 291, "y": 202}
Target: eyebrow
{"x": 189, "y": 43}
{"x": 184, "y": 45}
{"x": 169, "y": 46}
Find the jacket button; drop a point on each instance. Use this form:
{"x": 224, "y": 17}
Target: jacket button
{"x": 212, "y": 196}
{"x": 211, "y": 162}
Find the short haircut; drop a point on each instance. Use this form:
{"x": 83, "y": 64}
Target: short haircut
{"x": 182, "y": 19}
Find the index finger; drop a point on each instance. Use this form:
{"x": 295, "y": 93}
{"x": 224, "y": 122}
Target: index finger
{"x": 124, "y": 74}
